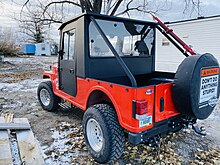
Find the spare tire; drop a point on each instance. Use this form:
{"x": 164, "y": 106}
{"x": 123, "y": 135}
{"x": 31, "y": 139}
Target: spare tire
{"x": 195, "y": 89}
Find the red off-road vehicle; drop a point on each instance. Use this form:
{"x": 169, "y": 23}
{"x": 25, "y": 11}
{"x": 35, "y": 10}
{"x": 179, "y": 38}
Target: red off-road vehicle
{"x": 106, "y": 67}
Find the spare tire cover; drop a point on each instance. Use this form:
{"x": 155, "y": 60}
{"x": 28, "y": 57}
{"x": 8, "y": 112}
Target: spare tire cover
{"x": 195, "y": 89}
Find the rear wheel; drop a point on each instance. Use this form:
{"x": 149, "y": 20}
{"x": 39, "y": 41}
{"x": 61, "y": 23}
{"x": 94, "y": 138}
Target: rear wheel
{"x": 47, "y": 99}
{"x": 103, "y": 134}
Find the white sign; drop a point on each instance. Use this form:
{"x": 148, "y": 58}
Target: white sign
{"x": 208, "y": 88}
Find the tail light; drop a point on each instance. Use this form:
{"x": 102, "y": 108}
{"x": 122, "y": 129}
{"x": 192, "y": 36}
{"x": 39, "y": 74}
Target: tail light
{"x": 139, "y": 109}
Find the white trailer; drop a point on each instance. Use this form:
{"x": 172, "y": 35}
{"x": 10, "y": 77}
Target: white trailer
{"x": 201, "y": 34}
{"x": 43, "y": 49}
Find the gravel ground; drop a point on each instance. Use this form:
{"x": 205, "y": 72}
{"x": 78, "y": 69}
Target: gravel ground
{"x": 60, "y": 133}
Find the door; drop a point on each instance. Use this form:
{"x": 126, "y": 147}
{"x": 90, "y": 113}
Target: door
{"x": 67, "y": 74}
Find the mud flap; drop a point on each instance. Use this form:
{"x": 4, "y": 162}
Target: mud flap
{"x": 195, "y": 90}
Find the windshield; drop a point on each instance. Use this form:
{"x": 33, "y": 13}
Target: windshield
{"x": 128, "y": 39}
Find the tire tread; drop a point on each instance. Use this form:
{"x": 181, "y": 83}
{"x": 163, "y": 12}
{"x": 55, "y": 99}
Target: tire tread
{"x": 115, "y": 131}
{"x": 56, "y": 99}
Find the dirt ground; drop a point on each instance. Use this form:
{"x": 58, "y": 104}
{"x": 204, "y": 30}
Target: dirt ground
{"x": 60, "y": 133}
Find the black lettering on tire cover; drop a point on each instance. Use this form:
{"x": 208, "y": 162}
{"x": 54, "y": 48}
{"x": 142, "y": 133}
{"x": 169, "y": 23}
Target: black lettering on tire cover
{"x": 186, "y": 87}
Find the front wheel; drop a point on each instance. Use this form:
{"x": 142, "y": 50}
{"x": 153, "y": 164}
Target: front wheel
{"x": 103, "y": 134}
{"x": 47, "y": 99}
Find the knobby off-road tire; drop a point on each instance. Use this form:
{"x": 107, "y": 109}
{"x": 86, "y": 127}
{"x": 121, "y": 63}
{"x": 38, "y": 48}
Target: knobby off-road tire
{"x": 186, "y": 90}
{"x": 47, "y": 99}
{"x": 103, "y": 134}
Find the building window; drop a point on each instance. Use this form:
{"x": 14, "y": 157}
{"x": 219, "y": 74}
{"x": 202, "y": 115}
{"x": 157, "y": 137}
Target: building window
{"x": 43, "y": 47}
{"x": 165, "y": 42}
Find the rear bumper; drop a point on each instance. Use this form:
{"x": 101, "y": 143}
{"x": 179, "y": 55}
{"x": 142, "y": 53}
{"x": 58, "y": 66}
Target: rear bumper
{"x": 173, "y": 124}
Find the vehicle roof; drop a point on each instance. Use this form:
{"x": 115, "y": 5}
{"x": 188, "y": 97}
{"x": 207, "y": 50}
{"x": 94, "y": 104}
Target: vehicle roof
{"x": 102, "y": 16}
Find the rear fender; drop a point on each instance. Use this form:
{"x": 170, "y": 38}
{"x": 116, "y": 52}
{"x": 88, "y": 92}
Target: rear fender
{"x": 107, "y": 93}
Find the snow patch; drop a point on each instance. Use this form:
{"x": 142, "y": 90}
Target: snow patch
{"x": 29, "y": 85}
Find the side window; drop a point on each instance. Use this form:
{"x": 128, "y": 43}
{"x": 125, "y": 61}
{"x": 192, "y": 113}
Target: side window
{"x": 69, "y": 44}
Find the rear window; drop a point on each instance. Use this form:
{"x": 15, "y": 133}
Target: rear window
{"x": 127, "y": 38}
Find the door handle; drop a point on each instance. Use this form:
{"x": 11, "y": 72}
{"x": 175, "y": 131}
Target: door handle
{"x": 71, "y": 70}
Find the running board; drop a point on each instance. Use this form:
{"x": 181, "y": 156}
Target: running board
{"x": 65, "y": 105}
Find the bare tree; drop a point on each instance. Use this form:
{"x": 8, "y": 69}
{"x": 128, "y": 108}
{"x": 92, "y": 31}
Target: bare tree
{"x": 32, "y": 26}
{"x": 32, "y": 21}
{"x": 37, "y": 14}
{"x": 192, "y": 6}
{"x": 110, "y": 7}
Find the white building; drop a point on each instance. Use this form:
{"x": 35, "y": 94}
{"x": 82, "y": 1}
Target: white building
{"x": 43, "y": 49}
{"x": 202, "y": 34}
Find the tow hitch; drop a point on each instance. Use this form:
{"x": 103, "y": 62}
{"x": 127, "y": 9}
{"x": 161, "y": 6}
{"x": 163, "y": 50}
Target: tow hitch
{"x": 199, "y": 130}
{"x": 194, "y": 126}
{"x": 153, "y": 142}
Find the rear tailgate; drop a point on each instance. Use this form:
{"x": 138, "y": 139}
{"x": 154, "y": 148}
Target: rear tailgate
{"x": 164, "y": 107}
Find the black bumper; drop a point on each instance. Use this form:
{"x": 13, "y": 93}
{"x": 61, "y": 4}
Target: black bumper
{"x": 160, "y": 128}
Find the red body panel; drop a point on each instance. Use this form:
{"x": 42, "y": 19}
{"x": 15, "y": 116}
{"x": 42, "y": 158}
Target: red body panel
{"x": 164, "y": 91}
{"x": 121, "y": 97}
